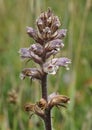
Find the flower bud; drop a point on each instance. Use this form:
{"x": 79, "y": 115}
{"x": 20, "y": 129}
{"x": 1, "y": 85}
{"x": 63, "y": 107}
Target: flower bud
{"x": 48, "y": 25}
{"x": 61, "y": 33}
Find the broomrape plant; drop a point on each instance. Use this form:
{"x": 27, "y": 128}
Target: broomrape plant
{"x": 48, "y": 42}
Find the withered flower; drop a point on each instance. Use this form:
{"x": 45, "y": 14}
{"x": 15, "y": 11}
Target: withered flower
{"x": 42, "y": 104}
{"x": 33, "y": 73}
{"x": 34, "y": 108}
{"x": 29, "y": 107}
{"x": 56, "y": 99}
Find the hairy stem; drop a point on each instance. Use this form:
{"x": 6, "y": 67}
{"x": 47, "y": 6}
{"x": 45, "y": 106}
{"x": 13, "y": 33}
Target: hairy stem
{"x": 47, "y": 118}
{"x": 44, "y": 86}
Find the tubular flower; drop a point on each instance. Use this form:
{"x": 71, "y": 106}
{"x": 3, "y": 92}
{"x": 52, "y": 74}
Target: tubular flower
{"x": 31, "y": 53}
{"x": 54, "y": 45}
{"x": 24, "y": 53}
{"x": 52, "y": 66}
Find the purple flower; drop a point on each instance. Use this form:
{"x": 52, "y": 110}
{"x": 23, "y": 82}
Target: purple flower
{"x": 61, "y": 33}
{"x": 27, "y": 53}
{"x": 52, "y": 66}
{"x": 24, "y": 53}
{"x": 54, "y": 45}
{"x": 63, "y": 62}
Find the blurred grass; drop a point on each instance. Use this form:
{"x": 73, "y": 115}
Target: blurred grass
{"x": 74, "y": 15}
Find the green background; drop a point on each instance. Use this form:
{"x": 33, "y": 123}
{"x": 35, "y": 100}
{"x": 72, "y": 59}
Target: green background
{"x": 76, "y": 17}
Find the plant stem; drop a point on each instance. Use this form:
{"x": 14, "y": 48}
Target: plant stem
{"x": 44, "y": 86}
{"x": 47, "y": 118}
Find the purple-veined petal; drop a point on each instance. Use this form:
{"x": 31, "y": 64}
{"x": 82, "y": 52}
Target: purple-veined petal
{"x": 54, "y": 45}
{"x": 63, "y": 62}
{"x": 24, "y": 53}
